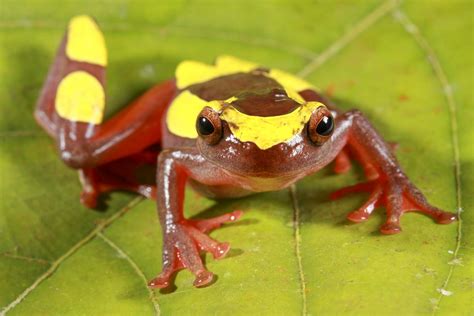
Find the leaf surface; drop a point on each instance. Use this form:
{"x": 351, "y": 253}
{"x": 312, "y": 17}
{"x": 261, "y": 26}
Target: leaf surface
{"x": 406, "y": 68}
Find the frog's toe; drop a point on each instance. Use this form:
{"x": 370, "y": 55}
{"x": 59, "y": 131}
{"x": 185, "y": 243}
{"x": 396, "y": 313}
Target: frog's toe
{"x": 89, "y": 198}
{"x": 415, "y": 200}
{"x": 206, "y": 225}
{"x": 160, "y": 282}
{"x": 206, "y": 243}
{"x": 446, "y": 218}
{"x": 182, "y": 249}
{"x": 356, "y": 188}
{"x": 358, "y": 216}
{"x": 363, "y": 213}
{"x": 399, "y": 196}
{"x": 390, "y": 228}
{"x": 203, "y": 278}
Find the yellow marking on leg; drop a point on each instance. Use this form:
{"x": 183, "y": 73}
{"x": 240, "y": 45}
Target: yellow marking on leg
{"x": 269, "y": 131}
{"x": 80, "y": 97}
{"x": 85, "y": 41}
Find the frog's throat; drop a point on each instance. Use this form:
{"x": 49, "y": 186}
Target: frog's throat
{"x": 263, "y": 131}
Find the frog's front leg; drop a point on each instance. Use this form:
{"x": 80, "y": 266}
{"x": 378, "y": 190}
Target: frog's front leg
{"x": 391, "y": 188}
{"x": 183, "y": 239}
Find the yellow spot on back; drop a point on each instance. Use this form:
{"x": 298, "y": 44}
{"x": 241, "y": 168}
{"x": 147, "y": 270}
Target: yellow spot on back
{"x": 269, "y": 131}
{"x": 85, "y": 41}
{"x": 183, "y": 112}
{"x": 80, "y": 97}
{"x": 192, "y": 72}
{"x": 231, "y": 64}
{"x": 289, "y": 81}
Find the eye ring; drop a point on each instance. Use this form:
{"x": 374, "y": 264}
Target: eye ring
{"x": 209, "y": 126}
{"x": 320, "y": 126}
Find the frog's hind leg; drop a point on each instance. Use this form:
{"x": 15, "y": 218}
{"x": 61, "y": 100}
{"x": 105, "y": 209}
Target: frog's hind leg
{"x": 72, "y": 102}
{"x": 71, "y": 105}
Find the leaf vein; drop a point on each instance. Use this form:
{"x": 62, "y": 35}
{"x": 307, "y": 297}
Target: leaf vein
{"x": 440, "y": 75}
{"x": 297, "y": 237}
{"x": 348, "y": 37}
{"x": 135, "y": 267}
{"x": 55, "y": 265}
{"x": 25, "y": 258}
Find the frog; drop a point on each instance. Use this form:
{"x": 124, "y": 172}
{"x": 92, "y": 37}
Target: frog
{"x": 228, "y": 130}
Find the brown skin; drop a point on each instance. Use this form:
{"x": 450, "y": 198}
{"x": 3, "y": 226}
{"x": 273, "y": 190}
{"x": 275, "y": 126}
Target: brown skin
{"x": 219, "y": 165}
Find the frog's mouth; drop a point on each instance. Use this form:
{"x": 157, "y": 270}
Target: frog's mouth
{"x": 246, "y": 159}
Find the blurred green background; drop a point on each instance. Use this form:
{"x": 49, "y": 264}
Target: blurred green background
{"x": 408, "y": 66}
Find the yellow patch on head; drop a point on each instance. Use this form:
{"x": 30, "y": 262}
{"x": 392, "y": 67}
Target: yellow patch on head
{"x": 266, "y": 132}
{"x": 85, "y": 41}
{"x": 80, "y": 97}
{"x": 183, "y": 112}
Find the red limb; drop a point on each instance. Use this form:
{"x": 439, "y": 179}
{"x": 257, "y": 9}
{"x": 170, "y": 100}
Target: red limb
{"x": 92, "y": 147}
{"x": 390, "y": 187}
{"x": 184, "y": 239}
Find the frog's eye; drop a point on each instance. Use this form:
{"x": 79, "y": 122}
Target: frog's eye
{"x": 320, "y": 126}
{"x": 209, "y": 126}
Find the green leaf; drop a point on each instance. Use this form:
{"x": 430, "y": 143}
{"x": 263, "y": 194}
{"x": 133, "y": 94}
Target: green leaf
{"x": 407, "y": 66}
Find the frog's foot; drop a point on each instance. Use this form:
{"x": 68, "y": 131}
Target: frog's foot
{"x": 398, "y": 195}
{"x": 96, "y": 181}
{"x": 182, "y": 246}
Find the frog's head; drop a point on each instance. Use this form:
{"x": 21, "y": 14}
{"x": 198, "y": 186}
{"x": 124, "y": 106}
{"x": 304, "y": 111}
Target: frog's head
{"x": 265, "y": 134}
{"x": 251, "y": 120}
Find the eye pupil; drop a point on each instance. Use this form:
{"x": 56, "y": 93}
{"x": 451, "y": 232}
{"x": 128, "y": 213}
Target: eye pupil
{"x": 325, "y": 126}
{"x": 205, "y": 126}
